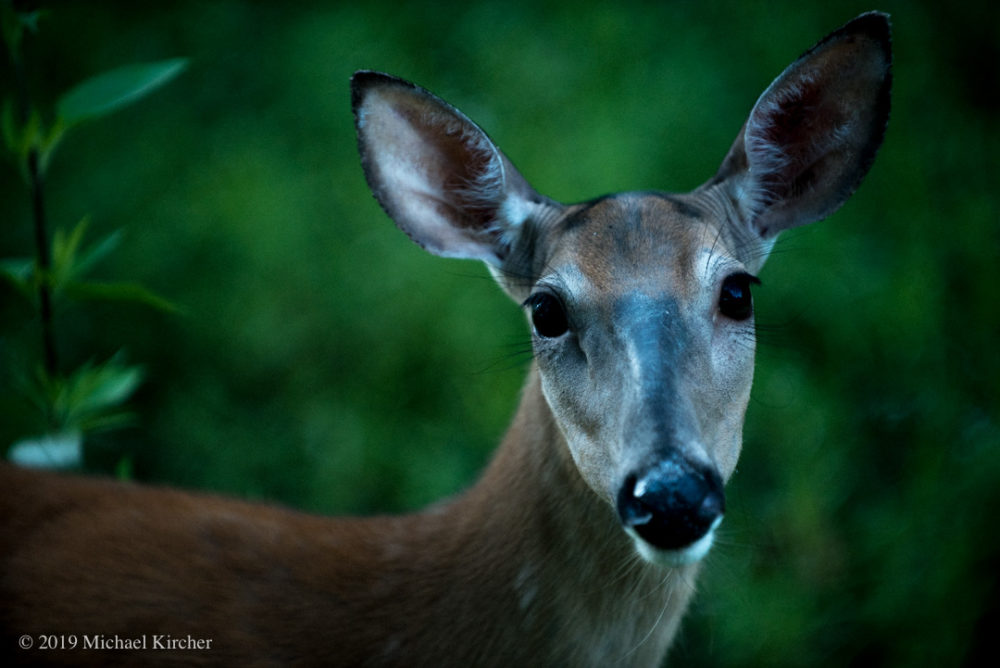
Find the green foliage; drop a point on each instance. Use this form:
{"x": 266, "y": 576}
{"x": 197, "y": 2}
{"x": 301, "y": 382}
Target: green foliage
{"x": 90, "y": 398}
{"x": 110, "y": 91}
{"x": 327, "y": 363}
{"x": 67, "y": 275}
{"x": 72, "y": 262}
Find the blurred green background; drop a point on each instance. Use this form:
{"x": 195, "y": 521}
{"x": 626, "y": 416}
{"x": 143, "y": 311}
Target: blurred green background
{"x": 324, "y": 362}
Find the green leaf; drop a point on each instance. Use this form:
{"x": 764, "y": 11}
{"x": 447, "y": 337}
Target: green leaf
{"x": 110, "y": 91}
{"x": 119, "y": 292}
{"x": 46, "y": 144}
{"x": 90, "y": 399}
{"x": 20, "y": 138}
{"x": 71, "y": 260}
{"x": 100, "y": 388}
{"x": 64, "y": 251}
{"x": 20, "y": 272}
{"x": 14, "y": 22}
{"x": 89, "y": 257}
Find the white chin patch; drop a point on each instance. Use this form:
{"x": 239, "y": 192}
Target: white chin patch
{"x": 679, "y": 557}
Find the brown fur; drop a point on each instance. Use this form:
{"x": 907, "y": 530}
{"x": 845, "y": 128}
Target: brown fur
{"x": 631, "y": 419}
{"x": 270, "y": 586}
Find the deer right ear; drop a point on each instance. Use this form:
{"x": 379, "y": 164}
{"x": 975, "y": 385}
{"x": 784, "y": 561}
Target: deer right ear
{"x": 813, "y": 134}
{"x": 437, "y": 174}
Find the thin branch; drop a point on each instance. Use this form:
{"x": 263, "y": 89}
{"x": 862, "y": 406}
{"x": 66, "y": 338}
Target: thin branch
{"x": 44, "y": 263}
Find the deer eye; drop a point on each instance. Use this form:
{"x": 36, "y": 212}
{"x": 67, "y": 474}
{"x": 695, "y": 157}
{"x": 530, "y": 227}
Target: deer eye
{"x": 735, "y": 301}
{"x": 547, "y": 315}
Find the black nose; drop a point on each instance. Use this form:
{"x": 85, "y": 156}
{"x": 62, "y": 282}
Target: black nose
{"x": 673, "y": 504}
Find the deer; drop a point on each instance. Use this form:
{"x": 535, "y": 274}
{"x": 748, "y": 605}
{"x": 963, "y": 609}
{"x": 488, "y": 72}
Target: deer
{"x": 581, "y": 542}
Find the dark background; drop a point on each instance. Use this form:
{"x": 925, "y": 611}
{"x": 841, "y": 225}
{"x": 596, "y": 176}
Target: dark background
{"x": 323, "y": 361}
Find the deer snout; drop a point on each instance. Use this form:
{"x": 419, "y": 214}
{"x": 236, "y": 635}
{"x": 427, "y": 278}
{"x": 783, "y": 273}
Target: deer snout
{"x": 671, "y": 510}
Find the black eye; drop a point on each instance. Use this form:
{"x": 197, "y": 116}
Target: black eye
{"x": 735, "y": 301}
{"x": 547, "y": 315}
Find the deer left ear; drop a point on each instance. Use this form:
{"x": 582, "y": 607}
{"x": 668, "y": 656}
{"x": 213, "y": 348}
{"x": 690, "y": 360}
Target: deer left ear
{"x": 813, "y": 134}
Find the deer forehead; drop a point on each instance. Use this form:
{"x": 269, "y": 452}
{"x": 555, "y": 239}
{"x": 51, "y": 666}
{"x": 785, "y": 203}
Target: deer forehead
{"x": 659, "y": 245}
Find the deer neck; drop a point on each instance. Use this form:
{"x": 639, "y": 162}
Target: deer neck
{"x": 549, "y": 558}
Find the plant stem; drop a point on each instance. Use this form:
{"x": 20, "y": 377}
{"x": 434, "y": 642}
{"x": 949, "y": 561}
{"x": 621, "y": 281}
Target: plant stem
{"x": 36, "y": 181}
{"x": 44, "y": 263}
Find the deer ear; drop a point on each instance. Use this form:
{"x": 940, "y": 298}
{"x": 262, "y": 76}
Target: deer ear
{"x": 436, "y": 173}
{"x": 813, "y": 134}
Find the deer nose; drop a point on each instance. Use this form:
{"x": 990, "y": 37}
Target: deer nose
{"x": 673, "y": 505}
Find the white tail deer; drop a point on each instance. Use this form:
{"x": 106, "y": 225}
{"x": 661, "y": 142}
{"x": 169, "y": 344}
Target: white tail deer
{"x": 580, "y": 543}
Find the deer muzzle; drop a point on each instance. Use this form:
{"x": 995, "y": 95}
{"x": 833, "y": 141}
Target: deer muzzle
{"x": 671, "y": 510}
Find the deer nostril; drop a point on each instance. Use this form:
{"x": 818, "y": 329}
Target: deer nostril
{"x": 673, "y": 505}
